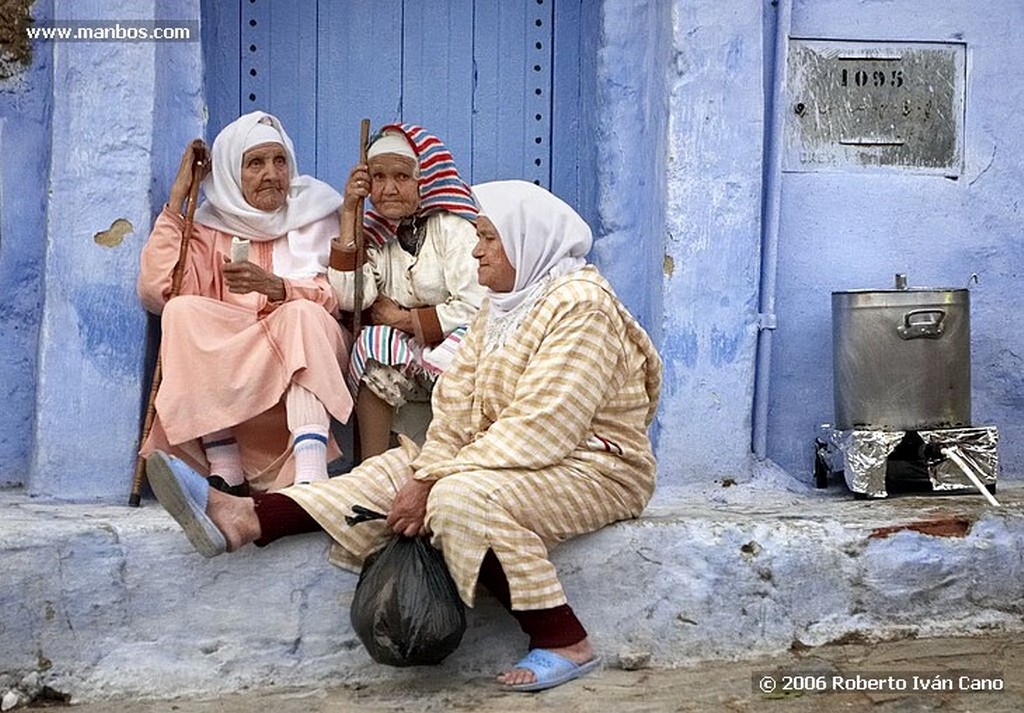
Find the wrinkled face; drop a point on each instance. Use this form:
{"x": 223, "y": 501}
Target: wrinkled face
{"x": 394, "y": 186}
{"x": 493, "y": 267}
{"x": 265, "y": 176}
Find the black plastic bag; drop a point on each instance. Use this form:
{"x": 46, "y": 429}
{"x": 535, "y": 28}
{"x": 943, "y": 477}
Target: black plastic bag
{"x": 406, "y": 610}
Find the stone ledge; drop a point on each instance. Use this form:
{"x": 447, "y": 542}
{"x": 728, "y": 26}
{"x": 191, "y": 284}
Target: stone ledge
{"x": 111, "y": 601}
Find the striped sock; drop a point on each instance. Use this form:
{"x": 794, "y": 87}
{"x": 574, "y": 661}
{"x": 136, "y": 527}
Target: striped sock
{"x": 309, "y": 444}
{"x": 225, "y": 459}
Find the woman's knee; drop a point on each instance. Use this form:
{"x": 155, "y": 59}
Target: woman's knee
{"x": 307, "y": 318}
{"x": 304, "y": 311}
{"x": 182, "y": 307}
{"x": 184, "y": 303}
{"x": 455, "y": 499}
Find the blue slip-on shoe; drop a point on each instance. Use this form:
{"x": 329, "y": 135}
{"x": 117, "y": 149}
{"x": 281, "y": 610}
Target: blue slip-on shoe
{"x": 183, "y": 493}
{"x": 552, "y": 670}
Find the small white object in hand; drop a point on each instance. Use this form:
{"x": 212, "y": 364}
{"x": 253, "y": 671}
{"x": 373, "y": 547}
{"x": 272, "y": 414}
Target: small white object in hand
{"x": 239, "y": 249}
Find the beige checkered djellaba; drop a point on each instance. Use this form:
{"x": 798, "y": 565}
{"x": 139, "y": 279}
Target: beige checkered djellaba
{"x": 540, "y": 440}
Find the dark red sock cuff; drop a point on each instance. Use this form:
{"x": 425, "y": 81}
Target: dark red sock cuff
{"x": 547, "y": 628}
{"x": 551, "y": 628}
{"x": 280, "y": 516}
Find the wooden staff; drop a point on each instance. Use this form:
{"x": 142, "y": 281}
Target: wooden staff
{"x": 357, "y": 299}
{"x": 199, "y": 161}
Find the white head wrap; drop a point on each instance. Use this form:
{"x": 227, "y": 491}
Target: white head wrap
{"x": 392, "y": 142}
{"x": 309, "y": 200}
{"x": 543, "y": 238}
{"x": 263, "y": 132}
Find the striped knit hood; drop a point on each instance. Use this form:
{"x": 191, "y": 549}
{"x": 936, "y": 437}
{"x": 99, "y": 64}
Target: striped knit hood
{"x": 441, "y": 186}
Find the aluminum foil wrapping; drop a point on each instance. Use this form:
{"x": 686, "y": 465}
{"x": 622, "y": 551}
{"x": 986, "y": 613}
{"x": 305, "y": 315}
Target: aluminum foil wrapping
{"x": 863, "y": 456}
{"x": 977, "y": 447}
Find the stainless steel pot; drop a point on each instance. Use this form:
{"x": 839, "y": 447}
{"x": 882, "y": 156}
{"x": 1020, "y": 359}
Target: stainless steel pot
{"x": 901, "y": 358}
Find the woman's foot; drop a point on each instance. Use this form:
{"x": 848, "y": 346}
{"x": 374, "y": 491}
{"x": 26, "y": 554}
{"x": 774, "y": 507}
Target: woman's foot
{"x": 579, "y": 653}
{"x": 235, "y": 517}
{"x": 213, "y": 521}
{"x": 184, "y": 493}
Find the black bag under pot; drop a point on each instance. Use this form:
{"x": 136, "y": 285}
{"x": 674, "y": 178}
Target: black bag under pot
{"x": 901, "y": 358}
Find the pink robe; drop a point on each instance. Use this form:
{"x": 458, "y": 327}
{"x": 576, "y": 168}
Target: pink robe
{"x": 228, "y": 359}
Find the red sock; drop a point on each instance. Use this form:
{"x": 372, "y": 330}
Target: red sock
{"x": 280, "y": 516}
{"x": 553, "y": 628}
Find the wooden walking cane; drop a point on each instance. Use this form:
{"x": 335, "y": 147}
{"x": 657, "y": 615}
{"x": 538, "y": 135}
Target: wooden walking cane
{"x": 357, "y": 299}
{"x": 199, "y": 161}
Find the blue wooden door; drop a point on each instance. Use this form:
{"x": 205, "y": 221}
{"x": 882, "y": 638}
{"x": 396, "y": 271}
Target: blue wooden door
{"x": 481, "y": 74}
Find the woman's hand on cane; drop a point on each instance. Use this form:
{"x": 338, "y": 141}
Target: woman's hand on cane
{"x": 179, "y": 189}
{"x": 357, "y": 187}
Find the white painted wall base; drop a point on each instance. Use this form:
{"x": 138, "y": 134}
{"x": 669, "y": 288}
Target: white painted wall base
{"x": 111, "y": 601}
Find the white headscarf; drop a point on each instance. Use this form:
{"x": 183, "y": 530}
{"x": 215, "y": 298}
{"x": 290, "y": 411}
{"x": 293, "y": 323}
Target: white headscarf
{"x": 392, "y": 141}
{"x": 543, "y": 238}
{"x": 309, "y": 200}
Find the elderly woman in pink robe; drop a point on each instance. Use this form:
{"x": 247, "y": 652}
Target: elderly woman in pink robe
{"x": 252, "y": 354}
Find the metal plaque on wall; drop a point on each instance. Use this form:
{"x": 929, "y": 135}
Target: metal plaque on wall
{"x": 856, "y": 106}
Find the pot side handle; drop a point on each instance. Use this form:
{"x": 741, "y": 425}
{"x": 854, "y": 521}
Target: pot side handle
{"x": 922, "y": 324}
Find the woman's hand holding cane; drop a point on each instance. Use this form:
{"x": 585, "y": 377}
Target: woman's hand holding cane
{"x": 195, "y": 162}
{"x": 357, "y": 312}
{"x": 195, "y": 165}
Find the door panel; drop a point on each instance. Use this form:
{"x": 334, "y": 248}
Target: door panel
{"x": 512, "y": 39}
{"x": 478, "y": 73}
{"x": 359, "y": 77}
{"x": 278, "y": 56}
{"x": 437, "y": 72}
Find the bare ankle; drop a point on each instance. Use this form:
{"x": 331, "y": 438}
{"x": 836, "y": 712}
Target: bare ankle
{"x": 235, "y": 518}
{"x": 580, "y": 652}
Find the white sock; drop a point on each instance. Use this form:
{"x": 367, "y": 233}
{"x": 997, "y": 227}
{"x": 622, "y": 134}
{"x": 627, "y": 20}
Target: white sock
{"x": 309, "y": 444}
{"x": 225, "y": 459}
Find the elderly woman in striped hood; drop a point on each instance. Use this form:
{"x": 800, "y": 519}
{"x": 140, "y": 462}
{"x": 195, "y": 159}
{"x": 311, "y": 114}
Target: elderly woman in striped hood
{"x": 540, "y": 433}
{"x": 252, "y": 353}
{"x": 419, "y": 278}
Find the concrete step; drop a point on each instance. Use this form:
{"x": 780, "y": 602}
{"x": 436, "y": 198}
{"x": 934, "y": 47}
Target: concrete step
{"x": 110, "y": 601}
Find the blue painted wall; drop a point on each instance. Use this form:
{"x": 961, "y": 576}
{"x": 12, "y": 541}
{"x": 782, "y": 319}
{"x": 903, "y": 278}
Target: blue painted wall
{"x": 673, "y": 110}
{"x": 25, "y": 107}
{"x": 843, "y": 231}
{"x": 121, "y": 113}
{"x": 712, "y": 245}
{"x": 632, "y": 122}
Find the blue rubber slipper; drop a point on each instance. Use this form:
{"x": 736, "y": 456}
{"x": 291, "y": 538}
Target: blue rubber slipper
{"x": 552, "y": 670}
{"x": 184, "y": 493}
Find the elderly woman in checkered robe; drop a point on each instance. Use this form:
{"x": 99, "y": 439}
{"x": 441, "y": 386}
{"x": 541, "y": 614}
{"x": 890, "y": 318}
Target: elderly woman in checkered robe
{"x": 419, "y": 279}
{"x": 539, "y": 434}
